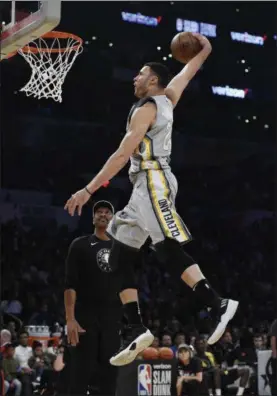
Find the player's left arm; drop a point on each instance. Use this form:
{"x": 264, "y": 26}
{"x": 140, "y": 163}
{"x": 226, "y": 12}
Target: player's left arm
{"x": 140, "y": 122}
{"x": 178, "y": 84}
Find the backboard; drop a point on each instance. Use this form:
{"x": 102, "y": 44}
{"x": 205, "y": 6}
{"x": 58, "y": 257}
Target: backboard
{"x": 24, "y": 27}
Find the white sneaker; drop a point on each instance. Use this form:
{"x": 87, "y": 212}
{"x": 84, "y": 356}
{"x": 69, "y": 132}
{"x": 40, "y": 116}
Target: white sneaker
{"x": 226, "y": 312}
{"x": 134, "y": 339}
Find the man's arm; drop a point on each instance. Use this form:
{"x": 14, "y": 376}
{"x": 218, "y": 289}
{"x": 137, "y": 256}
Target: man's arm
{"x": 141, "y": 120}
{"x": 178, "y": 84}
{"x": 69, "y": 304}
{"x": 179, "y": 386}
{"x": 71, "y": 277}
{"x": 70, "y": 295}
{"x": 198, "y": 377}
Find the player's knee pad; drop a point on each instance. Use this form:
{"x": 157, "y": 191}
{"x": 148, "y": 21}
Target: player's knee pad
{"x": 123, "y": 259}
{"x": 171, "y": 252}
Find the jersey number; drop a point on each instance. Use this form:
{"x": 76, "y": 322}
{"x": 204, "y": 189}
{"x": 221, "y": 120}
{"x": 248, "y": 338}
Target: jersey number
{"x": 167, "y": 139}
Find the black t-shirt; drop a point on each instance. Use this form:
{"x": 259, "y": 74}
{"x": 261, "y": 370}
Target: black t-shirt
{"x": 190, "y": 369}
{"x": 226, "y": 353}
{"x": 207, "y": 360}
{"x": 88, "y": 272}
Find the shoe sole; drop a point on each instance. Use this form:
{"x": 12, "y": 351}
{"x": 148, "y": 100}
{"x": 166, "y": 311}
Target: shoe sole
{"x": 225, "y": 319}
{"x": 127, "y": 355}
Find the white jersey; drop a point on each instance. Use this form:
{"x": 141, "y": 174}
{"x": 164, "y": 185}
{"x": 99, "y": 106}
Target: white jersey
{"x": 155, "y": 149}
{"x": 151, "y": 210}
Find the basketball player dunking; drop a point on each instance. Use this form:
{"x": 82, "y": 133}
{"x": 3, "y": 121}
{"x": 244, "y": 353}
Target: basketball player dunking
{"x": 151, "y": 209}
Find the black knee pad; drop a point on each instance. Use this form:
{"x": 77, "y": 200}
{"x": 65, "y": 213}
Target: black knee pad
{"x": 172, "y": 254}
{"x": 123, "y": 259}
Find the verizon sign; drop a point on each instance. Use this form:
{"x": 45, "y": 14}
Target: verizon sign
{"x": 140, "y": 19}
{"x": 230, "y": 92}
{"x": 248, "y": 38}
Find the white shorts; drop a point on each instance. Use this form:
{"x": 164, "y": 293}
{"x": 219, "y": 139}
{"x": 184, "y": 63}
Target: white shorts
{"x": 150, "y": 212}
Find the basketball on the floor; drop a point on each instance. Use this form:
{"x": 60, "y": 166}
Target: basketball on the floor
{"x": 184, "y": 46}
{"x": 150, "y": 354}
{"x": 166, "y": 353}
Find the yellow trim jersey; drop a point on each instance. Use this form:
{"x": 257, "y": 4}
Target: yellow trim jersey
{"x": 155, "y": 149}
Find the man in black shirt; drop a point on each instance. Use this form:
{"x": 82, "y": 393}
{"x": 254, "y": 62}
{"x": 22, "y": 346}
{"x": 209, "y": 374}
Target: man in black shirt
{"x": 190, "y": 373}
{"x": 232, "y": 362}
{"x": 93, "y": 309}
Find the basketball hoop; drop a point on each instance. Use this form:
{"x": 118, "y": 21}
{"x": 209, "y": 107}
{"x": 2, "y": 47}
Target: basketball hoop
{"x": 50, "y": 61}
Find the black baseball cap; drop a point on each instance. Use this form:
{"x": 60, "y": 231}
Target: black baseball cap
{"x": 102, "y": 204}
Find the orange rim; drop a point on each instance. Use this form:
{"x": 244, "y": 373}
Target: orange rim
{"x": 54, "y": 34}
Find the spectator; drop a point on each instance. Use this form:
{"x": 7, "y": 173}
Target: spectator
{"x": 166, "y": 340}
{"x": 265, "y": 340}
{"x": 174, "y": 326}
{"x": 211, "y": 371}
{"x": 156, "y": 324}
{"x": 11, "y": 326}
{"x": 51, "y": 347}
{"x": 38, "y": 362}
{"x": 227, "y": 354}
{"x": 5, "y": 338}
{"x": 59, "y": 361}
{"x": 156, "y": 342}
{"x": 189, "y": 373}
{"x": 11, "y": 371}
{"x": 258, "y": 342}
{"x": 22, "y": 354}
{"x": 179, "y": 339}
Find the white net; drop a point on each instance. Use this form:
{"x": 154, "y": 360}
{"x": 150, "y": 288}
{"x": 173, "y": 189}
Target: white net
{"x": 50, "y": 64}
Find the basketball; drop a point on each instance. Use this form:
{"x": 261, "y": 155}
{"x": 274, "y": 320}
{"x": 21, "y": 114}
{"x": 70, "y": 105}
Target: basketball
{"x": 150, "y": 354}
{"x": 166, "y": 353}
{"x": 184, "y": 46}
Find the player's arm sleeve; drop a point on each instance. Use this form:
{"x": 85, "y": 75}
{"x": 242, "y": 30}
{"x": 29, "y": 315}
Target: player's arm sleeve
{"x": 71, "y": 266}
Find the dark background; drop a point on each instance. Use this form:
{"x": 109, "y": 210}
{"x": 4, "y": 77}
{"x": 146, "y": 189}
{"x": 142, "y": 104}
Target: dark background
{"x": 225, "y": 166}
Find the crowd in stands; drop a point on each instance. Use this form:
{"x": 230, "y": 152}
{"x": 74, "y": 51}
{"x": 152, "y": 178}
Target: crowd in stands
{"x": 28, "y": 367}
{"x": 33, "y": 263}
{"x": 33, "y": 369}
{"x": 231, "y": 244}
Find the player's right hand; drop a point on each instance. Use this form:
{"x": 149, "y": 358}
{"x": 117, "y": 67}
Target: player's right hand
{"x": 73, "y": 331}
{"x": 203, "y": 40}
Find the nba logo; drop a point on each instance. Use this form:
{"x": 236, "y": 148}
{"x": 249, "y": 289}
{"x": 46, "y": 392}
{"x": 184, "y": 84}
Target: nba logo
{"x": 144, "y": 380}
